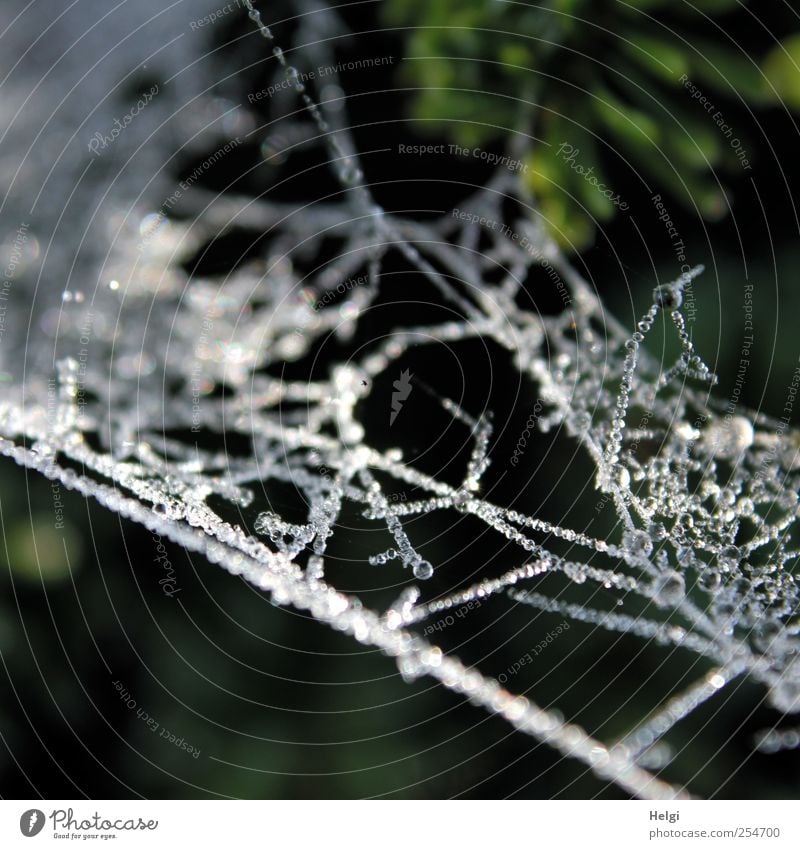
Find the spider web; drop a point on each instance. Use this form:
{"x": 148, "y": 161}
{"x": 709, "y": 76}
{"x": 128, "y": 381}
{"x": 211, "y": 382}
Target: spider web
{"x": 701, "y": 555}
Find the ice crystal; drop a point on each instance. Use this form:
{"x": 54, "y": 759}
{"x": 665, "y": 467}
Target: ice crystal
{"x": 700, "y": 559}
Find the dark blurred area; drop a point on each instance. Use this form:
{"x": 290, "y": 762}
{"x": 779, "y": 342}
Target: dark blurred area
{"x": 131, "y": 668}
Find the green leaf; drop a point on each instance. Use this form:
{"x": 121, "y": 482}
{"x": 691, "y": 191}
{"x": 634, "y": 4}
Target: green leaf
{"x": 659, "y": 57}
{"x": 516, "y": 55}
{"x": 572, "y": 229}
{"x": 692, "y": 151}
{"x": 589, "y": 181}
{"x": 727, "y": 70}
{"x": 643, "y": 5}
{"x": 782, "y": 70}
{"x": 564, "y": 174}
{"x": 397, "y": 14}
{"x": 701, "y": 191}
{"x": 472, "y": 118}
{"x": 689, "y": 133}
{"x": 711, "y": 7}
{"x": 630, "y": 126}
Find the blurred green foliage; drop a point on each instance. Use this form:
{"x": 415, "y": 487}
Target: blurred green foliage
{"x": 651, "y": 83}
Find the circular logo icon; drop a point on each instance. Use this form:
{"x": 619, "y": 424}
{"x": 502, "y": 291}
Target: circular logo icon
{"x": 31, "y": 822}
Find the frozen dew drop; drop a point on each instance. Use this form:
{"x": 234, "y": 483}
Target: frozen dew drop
{"x": 710, "y": 579}
{"x": 44, "y": 450}
{"x": 766, "y": 632}
{"x": 273, "y": 151}
{"x": 669, "y": 589}
{"x": 637, "y": 543}
{"x": 785, "y": 692}
{"x": 349, "y": 383}
{"x": 350, "y": 172}
{"x": 293, "y": 77}
{"x": 582, "y": 421}
{"x": 351, "y": 433}
{"x": 422, "y": 570}
{"x": 410, "y": 667}
{"x": 728, "y": 438}
{"x": 730, "y": 557}
{"x": 668, "y": 297}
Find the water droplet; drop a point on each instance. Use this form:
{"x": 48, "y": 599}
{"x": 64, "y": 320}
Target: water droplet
{"x": 637, "y": 543}
{"x": 766, "y": 633}
{"x": 44, "y": 449}
{"x": 582, "y": 421}
{"x": 729, "y": 557}
{"x": 710, "y": 579}
{"x": 410, "y": 667}
{"x": 728, "y": 438}
{"x": 668, "y": 297}
{"x": 423, "y": 570}
{"x": 785, "y": 693}
{"x": 669, "y": 589}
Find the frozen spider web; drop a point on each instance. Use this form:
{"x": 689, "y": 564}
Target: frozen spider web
{"x": 702, "y": 557}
